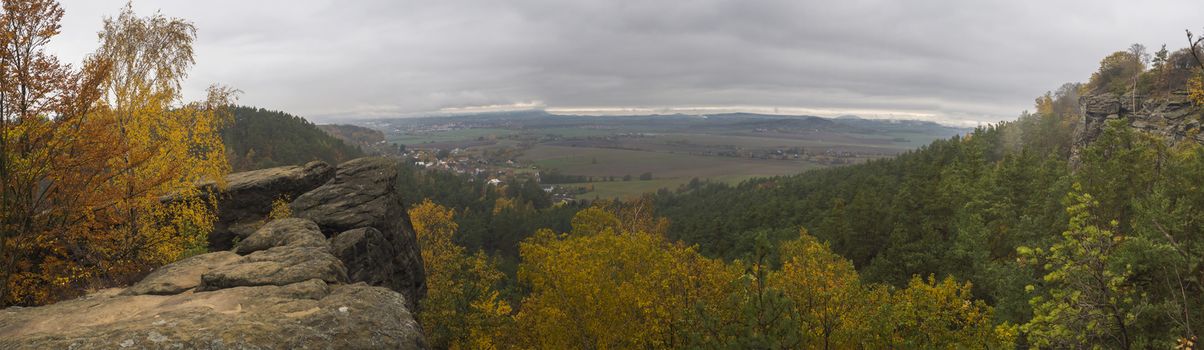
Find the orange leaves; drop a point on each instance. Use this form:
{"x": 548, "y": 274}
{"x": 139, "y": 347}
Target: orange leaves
{"x": 86, "y": 156}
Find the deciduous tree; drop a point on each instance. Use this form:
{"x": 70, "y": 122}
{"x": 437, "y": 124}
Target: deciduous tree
{"x": 462, "y": 308}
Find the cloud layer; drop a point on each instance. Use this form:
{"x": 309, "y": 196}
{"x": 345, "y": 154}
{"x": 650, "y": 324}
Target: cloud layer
{"x": 967, "y": 61}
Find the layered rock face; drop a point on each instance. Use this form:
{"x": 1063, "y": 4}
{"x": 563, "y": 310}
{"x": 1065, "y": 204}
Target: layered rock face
{"x": 372, "y": 234}
{"x": 1173, "y": 117}
{"x": 280, "y": 288}
{"x": 248, "y": 198}
{"x": 346, "y": 272}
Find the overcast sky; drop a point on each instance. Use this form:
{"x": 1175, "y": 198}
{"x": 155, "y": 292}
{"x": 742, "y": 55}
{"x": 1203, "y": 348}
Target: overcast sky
{"x": 954, "y": 61}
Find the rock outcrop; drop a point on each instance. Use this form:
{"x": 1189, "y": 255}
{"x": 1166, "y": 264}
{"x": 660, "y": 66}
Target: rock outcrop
{"x": 345, "y": 273}
{"x": 1173, "y": 117}
{"x": 280, "y": 288}
{"x": 248, "y": 198}
{"x": 363, "y": 194}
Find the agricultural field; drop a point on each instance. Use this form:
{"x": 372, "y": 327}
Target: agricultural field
{"x": 620, "y": 162}
{"x": 674, "y": 149}
{"x": 419, "y": 138}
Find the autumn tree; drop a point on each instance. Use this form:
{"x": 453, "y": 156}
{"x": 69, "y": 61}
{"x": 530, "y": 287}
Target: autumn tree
{"x": 101, "y": 164}
{"x": 1116, "y": 72}
{"x": 462, "y": 310}
{"x": 1195, "y": 85}
{"x": 166, "y": 146}
{"x": 932, "y": 315}
{"x": 604, "y": 287}
{"x": 1140, "y": 59}
{"x": 756, "y": 313}
{"x": 826, "y": 291}
{"x": 48, "y": 155}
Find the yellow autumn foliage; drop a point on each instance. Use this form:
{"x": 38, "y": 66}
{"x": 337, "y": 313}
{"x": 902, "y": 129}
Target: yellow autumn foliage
{"x": 606, "y": 288}
{"x": 462, "y": 310}
{"x": 100, "y": 165}
{"x": 833, "y": 306}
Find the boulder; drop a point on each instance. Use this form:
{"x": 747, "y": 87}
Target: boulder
{"x": 283, "y": 232}
{"x": 360, "y": 250}
{"x": 248, "y": 196}
{"x": 291, "y": 294}
{"x": 277, "y": 266}
{"x": 363, "y": 194}
{"x": 180, "y": 276}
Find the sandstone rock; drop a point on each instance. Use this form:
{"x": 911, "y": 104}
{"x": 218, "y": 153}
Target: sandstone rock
{"x": 181, "y": 275}
{"x": 1172, "y": 116}
{"x": 1102, "y": 104}
{"x": 248, "y": 198}
{"x": 277, "y": 266}
{"x": 283, "y": 232}
{"x": 364, "y": 194}
{"x": 281, "y": 286}
{"x": 360, "y": 250}
{"x": 304, "y": 315}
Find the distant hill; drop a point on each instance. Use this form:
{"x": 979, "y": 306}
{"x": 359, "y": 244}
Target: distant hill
{"x": 370, "y": 141}
{"x": 261, "y": 138}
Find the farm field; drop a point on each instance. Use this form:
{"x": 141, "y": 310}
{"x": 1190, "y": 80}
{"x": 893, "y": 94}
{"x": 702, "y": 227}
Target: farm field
{"x": 673, "y": 148}
{"x": 669, "y": 170}
{"x": 619, "y": 162}
{"x": 628, "y": 189}
{"x": 417, "y": 139}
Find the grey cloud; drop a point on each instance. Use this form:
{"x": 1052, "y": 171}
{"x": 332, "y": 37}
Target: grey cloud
{"x": 954, "y": 60}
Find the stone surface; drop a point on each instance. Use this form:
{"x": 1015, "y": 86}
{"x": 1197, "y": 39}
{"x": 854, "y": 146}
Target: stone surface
{"x": 277, "y": 266}
{"x": 363, "y": 194}
{"x": 282, "y": 284}
{"x": 1102, "y": 104}
{"x": 247, "y": 198}
{"x": 283, "y": 232}
{"x": 360, "y": 250}
{"x": 1173, "y": 117}
{"x": 304, "y": 315}
{"x": 182, "y": 275}
{"x": 291, "y": 294}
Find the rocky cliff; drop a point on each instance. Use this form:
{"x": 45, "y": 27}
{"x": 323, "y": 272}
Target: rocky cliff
{"x": 344, "y": 272}
{"x": 1173, "y": 117}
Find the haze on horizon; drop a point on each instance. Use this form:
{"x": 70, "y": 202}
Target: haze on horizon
{"x": 956, "y": 62}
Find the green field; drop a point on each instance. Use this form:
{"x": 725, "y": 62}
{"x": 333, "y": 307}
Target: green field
{"x": 669, "y": 170}
{"x": 832, "y": 141}
{"x": 628, "y": 189}
{"x": 617, "y": 162}
{"x": 572, "y": 132}
{"x": 450, "y": 136}
{"x": 674, "y": 149}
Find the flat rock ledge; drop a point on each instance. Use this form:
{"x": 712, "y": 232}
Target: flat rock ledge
{"x": 280, "y": 288}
